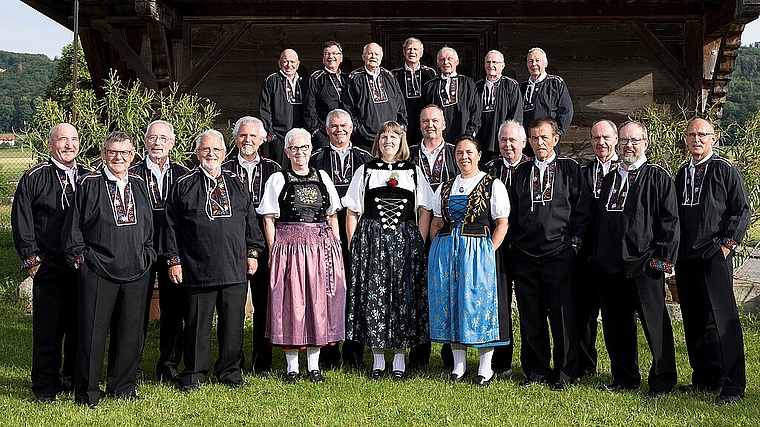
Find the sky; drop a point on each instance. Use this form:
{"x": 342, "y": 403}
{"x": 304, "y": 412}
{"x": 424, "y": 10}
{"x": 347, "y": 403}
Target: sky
{"x": 28, "y": 31}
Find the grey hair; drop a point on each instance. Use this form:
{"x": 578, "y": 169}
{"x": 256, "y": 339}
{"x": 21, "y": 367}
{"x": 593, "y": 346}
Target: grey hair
{"x": 212, "y": 133}
{"x": 249, "y": 120}
{"x": 609, "y": 122}
{"x": 411, "y": 40}
{"x": 336, "y": 112}
{"x": 520, "y": 128}
{"x": 537, "y": 49}
{"x": 161, "y": 122}
{"x": 501, "y": 55}
{"x": 438, "y": 55}
{"x": 294, "y": 133}
{"x": 639, "y": 124}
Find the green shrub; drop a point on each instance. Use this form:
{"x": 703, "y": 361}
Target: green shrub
{"x": 126, "y": 108}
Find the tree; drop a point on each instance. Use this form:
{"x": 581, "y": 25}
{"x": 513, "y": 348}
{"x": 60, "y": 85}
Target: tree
{"x": 60, "y": 87}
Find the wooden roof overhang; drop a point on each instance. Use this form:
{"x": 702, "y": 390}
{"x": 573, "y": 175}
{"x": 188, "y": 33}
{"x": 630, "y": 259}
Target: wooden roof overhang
{"x": 151, "y": 39}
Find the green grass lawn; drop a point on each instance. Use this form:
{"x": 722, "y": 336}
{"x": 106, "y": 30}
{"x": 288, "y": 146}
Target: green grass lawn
{"x": 348, "y": 398}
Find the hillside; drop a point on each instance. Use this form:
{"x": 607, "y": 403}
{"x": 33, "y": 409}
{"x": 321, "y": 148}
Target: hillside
{"x": 23, "y": 77}
{"x": 744, "y": 89}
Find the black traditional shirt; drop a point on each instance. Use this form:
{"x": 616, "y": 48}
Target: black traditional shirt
{"x": 255, "y": 182}
{"x": 281, "y": 104}
{"x": 637, "y": 221}
{"x": 411, "y": 84}
{"x": 443, "y": 168}
{"x": 550, "y": 208}
{"x": 211, "y": 228}
{"x": 547, "y": 98}
{"x": 111, "y": 231}
{"x": 43, "y": 196}
{"x": 341, "y": 167}
{"x": 158, "y": 191}
{"x": 327, "y": 91}
{"x": 460, "y": 104}
{"x": 500, "y": 101}
{"x": 375, "y": 99}
{"x": 713, "y": 207}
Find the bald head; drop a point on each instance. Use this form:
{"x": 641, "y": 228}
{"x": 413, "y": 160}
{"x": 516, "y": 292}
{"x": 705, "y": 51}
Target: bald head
{"x": 289, "y": 62}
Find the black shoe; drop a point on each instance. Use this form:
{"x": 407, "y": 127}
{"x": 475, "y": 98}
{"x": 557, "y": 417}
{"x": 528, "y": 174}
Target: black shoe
{"x": 399, "y": 376}
{"x": 503, "y": 372}
{"x": 697, "y": 388}
{"x": 82, "y": 402}
{"x": 235, "y": 384}
{"x": 559, "y": 385}
{"x": 377, "y": 374}
{"x": 618, "y": 388}
{"x": 725, "y": 399}
{"x": 316, "y": 377}
{"x": 454, "y": 378}
{"x": 292, "y": 377}
{"x": 656, "y": 393}
{"x": 531, "y": 382}
{"x": 46, "y": 398}
{"x": 189, "y": 388}
{"x": 481, "y": 381}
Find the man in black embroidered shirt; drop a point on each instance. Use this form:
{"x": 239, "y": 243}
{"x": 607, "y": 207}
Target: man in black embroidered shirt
{"x": 637, "y": 242}
{"x": 604, "y": 138}
{"x": 327, "y": 91}
{"x": 545, "y": 95}
{"x": 43, "y": 196}
{"x": 500, "y": 100}
{"x": 210, "y": 201}
{"x": 715, "y": 212}
{"x": 375, "y": 97}
{"x": 411, "y": 78}
{"x": 254, "y": 171}
{"x": 109, "y": 238}
{"x": 281, "y": 103}
{"x": 161, "y": 173}
{"x": 456, "y": 95}
{"x": 550, "y": 214}
{"x": 434, "y": 155}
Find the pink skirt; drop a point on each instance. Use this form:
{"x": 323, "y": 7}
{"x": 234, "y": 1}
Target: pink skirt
{"x": 307, "y": 286}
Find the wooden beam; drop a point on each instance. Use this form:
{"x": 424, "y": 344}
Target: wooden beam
{"x": 212, "y": 57}
{"x": 120, "y": 46}
{"x": 94, "y": 48}
{"x": 161, "y": 13}
{"x": 664, "y": 57}
{"x": 160, "y": 55}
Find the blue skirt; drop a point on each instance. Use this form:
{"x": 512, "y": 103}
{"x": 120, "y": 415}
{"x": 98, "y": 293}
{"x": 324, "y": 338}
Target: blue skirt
{"x": 462, "y": 291}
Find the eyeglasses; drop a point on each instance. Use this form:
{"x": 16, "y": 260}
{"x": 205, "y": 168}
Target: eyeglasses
{"x": 118, "y": 153}
{"x": 162, "y": 138}
{"x": 301, "y": 148}
{"x": 632, "y": 141}
{"x": 699, "y": 134}
{"x": 206, "y": 150}
{"x": 326, "y": 54}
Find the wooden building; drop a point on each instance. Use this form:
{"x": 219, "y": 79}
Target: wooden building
{"x": 616, "y": 55}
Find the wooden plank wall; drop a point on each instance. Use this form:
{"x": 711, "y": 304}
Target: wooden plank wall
{"x": 609, "y": 72}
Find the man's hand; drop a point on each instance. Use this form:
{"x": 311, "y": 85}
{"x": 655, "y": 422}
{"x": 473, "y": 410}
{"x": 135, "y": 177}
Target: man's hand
{"x": 33, "y": 270}
{"x": 175, "y": 274}
{"x": 253, "y": 265}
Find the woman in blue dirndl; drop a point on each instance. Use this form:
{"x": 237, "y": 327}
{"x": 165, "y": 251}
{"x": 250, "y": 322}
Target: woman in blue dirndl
{"x": 463, "y": 291}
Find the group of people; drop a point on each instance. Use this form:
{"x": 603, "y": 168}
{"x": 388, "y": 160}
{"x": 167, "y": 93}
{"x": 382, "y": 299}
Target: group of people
{"x": 390, "y": 248}
{"x": 373, "y": 95}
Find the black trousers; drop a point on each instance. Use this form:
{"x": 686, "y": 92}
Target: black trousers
{"x": 711, "y": 324}
{"x": 544, "y": 289}
{"x": 229, "y": 301}
{"x": 622, "y": 299}
{"x": 587, "y": 307}
{"x": 54, "y": 321}
{"x": 505, "y": 270}
{"x": 171, "y": 325}
{"x": 353, "y": 352}
{"x": 104, "y": 304}
{"x": 262, "y": 350}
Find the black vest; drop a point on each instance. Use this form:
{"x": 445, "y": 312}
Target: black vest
{"x": 303, "y": 198}
{"x": 476, "y": 219}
